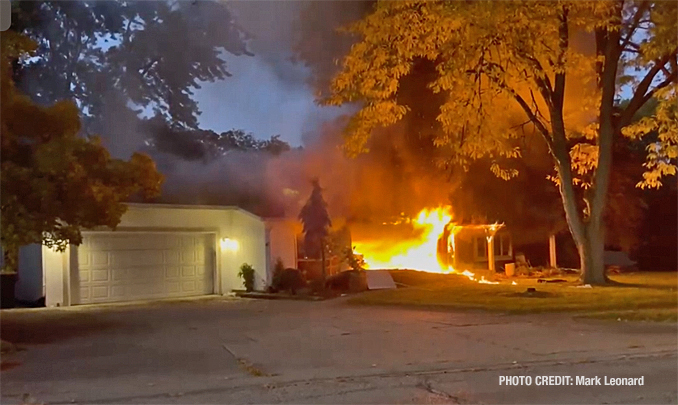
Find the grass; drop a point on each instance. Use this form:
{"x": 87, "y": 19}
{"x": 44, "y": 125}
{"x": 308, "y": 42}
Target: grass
{"x": 636, "y": 296}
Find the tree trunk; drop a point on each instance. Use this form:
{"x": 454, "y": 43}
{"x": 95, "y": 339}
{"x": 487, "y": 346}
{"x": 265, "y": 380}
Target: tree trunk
{"x": 591, "y": 254}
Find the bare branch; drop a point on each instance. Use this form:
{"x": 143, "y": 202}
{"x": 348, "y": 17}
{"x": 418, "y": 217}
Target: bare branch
{"x": 523, "y": 104}
{"x": 641, "y": 94}
{"x": 642, "y": 8}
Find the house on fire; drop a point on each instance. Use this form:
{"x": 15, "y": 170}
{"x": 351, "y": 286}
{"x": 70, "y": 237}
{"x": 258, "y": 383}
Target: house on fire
{"x": 462, "y": 246}
{"x": 475, "y": 246}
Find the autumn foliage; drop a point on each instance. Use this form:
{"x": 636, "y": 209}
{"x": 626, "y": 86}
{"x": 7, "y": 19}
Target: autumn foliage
{"x": 509, "y": 70}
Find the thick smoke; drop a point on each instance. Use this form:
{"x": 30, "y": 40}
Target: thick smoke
{"x": 396, "y": 177}
{"x": 377, "y": 186}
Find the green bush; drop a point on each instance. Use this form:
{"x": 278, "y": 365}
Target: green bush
{"x": 247, "y": 275}
{"x": 288, "y": 279}
{"x": 278, "y": 270}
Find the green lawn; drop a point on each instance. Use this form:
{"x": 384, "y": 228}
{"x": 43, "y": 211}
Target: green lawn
{"x": 636, "y": 296}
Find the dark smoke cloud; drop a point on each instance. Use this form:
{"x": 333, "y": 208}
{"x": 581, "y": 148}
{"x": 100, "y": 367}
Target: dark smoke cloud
{"x": 396, "y": 177}
{"x": 389, "y": 181}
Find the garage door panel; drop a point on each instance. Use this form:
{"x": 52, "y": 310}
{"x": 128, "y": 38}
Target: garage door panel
{"x": 118, "y": 275}
{"x": 172, "y": 257}
{"x": 100, "y": 275}
{"x": 118, "y": 292}
{"x": 137, "y": 258}
{"x": 188, "y": 286}
{"x": 173, "y": 287}
{"x": 188, "y": 271}
{"x": 124, "y": 267}
{"x": 172, "y": 272}
{"x": 100, "y": 291}
{"x": 84, "y": 259}
{"x": 100, "y": 258}
{"x": 188, "y": 256}
{"x": 84, "y": 294}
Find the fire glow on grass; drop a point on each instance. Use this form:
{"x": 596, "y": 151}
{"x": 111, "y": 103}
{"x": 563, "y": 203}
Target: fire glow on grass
{"x": 419, "y": 252}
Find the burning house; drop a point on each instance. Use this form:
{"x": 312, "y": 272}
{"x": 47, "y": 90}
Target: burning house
{"x": 430, "y": 242}
{"x": 433, "y": 242}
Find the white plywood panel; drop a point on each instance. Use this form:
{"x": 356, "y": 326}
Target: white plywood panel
{"x": 132, "y": 266}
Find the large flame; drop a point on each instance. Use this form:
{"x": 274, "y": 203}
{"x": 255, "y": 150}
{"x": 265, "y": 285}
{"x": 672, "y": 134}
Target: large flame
{"x": 416, "y": 253}
{"x": 420, "y": 252}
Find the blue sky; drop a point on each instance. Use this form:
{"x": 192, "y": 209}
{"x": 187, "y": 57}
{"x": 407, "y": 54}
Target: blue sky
{"x": 267, "y": 94}
{"x": 258, "y": 99}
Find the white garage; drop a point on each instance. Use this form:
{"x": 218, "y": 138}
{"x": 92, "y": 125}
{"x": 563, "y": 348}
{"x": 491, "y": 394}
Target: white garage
{"x": 158, "y": 251}
{"x": 130, "y": 266}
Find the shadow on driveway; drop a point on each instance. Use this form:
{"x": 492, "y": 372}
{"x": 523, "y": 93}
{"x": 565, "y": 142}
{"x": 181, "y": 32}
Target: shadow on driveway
{"x": 44, "y": 327}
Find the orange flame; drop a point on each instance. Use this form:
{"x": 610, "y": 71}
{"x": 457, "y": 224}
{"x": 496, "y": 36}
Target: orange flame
{"x": 419, "y": 252}
{"x": 416, "y": 253}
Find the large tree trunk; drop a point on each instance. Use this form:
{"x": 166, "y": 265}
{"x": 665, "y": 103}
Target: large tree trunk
{"x": 591, "y": 249}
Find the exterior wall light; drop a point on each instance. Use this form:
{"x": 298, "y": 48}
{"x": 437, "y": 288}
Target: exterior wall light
{"x": 229, "y": 244}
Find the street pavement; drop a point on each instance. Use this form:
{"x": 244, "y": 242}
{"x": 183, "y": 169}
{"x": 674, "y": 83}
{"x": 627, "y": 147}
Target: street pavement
{"x": 220, "y": 350}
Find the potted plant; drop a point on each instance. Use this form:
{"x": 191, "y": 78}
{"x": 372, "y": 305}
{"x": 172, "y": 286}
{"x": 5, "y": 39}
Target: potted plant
{"x": 247, "y": 275}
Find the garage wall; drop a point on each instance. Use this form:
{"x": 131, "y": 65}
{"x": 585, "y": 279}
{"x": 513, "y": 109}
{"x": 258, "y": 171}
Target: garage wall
{"x": 225, "y": 222}
{"x": 250, "y": 232}
{"x": 283, "y": 241}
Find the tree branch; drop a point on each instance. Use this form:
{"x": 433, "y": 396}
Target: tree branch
{"x": 642, "y": 8}
{"x": 541, "y": 79}
{"x": 521, "y": 101}
{"x": 148, "y": 66}
{"x": 563, "y": 43}
{"x": 642, "y": 95}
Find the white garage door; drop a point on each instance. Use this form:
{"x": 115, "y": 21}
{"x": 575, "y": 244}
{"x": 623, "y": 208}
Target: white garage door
{"x": 135, "y": 266}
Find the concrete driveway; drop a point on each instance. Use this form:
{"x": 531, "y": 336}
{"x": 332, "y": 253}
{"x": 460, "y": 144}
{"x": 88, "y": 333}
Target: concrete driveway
{"x": 251, "y": 351}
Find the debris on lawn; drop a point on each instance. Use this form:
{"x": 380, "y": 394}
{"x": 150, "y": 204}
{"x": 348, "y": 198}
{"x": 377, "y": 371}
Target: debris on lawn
{"x": 584, "y": 286}
{"x": 532, "y": 292}
{"x": 279, "y": 296}
{"x": 250, "y": 368}
{"x": 379, "y": 280}
{"x": 552, "y": 280}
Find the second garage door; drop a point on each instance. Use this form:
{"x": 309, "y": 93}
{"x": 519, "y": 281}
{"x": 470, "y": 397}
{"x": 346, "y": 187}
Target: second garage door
{"x": 115, "y": 267}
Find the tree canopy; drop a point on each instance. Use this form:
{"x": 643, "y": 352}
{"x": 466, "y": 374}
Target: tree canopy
{"x": 147, "y": 55}
{"x": 206, "y": 145}
{"x": 556, "y": 68}
{"x": 54, "y": 182}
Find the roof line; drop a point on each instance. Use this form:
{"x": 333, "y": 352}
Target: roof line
{"x": 199, "y": 207}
